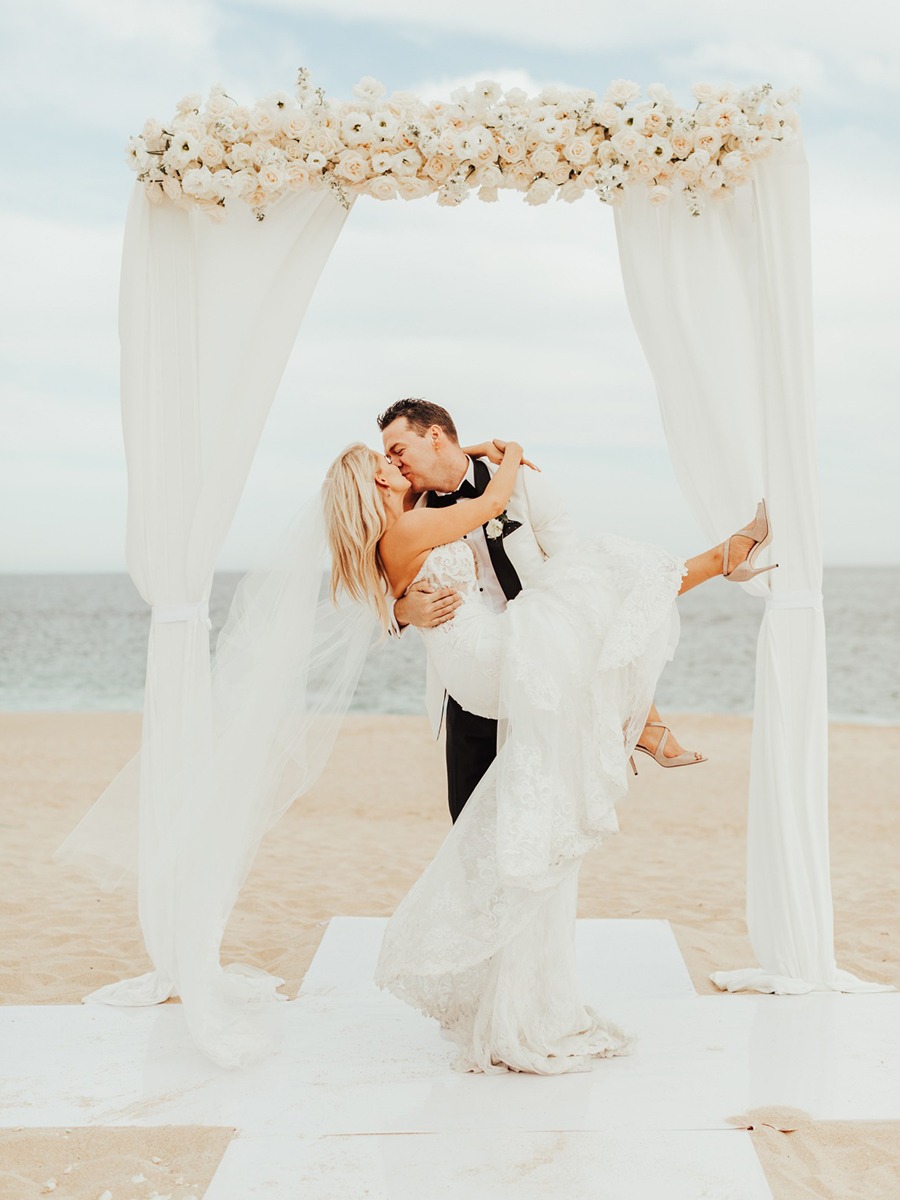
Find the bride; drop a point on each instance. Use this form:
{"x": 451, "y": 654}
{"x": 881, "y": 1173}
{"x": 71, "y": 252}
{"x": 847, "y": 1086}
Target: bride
{"x": 484, "y": 941}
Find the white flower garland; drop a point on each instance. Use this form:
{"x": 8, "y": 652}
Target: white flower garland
{"x": 559, "y": 143}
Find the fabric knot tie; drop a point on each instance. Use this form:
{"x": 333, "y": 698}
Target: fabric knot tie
{"x": 169, "y": 614}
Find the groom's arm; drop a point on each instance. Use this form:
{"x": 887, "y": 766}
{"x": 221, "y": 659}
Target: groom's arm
{"x": 424, "y": 607}
{"x": 550, "y": 520}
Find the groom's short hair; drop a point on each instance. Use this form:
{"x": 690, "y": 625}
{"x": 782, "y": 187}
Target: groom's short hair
{"x": 421, "y": 415}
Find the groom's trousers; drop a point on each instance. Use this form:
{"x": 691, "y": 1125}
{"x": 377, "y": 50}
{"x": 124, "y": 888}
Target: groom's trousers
{"x": 471, "y": 748}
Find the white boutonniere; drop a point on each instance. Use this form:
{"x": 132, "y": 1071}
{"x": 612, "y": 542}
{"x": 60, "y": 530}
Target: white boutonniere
{"x": 499, "y": 527}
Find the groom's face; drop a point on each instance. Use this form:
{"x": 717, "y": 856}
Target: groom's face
{"x": 418, "y": 455}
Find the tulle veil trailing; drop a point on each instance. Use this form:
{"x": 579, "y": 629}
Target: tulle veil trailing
{"x": 286, "y": 666}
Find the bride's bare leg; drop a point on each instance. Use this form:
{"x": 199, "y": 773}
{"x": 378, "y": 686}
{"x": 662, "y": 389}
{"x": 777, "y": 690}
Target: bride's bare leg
{"x": 709, "y": 564}
{"x": 700, "y": 568}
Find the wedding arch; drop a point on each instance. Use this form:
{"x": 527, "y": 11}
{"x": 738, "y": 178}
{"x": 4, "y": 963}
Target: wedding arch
{"x": 712, "y": 219}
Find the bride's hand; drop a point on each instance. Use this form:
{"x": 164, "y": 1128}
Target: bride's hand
{"x": 493, "y": 452}
{"x": 500, "y": 447}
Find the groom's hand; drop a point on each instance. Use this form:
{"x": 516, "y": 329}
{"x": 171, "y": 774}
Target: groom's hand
{"x": 425, "y": 607}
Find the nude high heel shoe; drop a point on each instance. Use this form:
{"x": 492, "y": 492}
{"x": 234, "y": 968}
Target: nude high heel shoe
{"x": 761, "y": 533}
{"x": 680, "y": 760}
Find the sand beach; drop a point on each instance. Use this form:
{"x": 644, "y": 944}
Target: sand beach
{"x": 355, "y": 844}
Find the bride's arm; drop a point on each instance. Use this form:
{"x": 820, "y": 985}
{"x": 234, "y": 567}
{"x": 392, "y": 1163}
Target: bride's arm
{"x": 421, "y": 529}
{"x": 493, "y": 452}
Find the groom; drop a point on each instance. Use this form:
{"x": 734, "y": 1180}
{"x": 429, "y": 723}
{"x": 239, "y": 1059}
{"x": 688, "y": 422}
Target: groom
{"x": 421, "y": 439}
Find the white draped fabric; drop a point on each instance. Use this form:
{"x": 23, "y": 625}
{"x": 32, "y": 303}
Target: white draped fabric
{"x": 722, "y": 304}
{"x": 208, "y": 316}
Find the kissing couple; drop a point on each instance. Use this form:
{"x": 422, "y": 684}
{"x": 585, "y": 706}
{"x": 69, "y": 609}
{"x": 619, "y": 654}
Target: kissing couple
{"x": 544, "y": 651}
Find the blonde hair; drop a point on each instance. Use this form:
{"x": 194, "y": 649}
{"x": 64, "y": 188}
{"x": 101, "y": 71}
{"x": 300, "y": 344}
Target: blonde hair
{"x": 354, "y": 517}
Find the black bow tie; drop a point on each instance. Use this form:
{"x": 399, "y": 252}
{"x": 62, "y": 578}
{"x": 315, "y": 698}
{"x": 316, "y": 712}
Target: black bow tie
{"x": 465, "y": 491}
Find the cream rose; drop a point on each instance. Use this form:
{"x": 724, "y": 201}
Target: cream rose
{"x": 211, "y": 152}
{"x": 352, "y": 166}
{"x": 543, "y": 159}
{"x": 381, "y": 188}
{"x": 659, "y": 195}
{"x": 489, "y": 195}
{"x": 540, "y": 192}
{"x": 622, "y": 91}
{"x": 512, "y": 151}
{"x": 411, "y": 188}
{"x": 579, "y": 151}
{"x": 560, "y": 173}
{"x": 438, "y": 168}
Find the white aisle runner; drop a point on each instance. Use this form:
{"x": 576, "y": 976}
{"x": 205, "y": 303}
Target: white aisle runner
{"x": 357, "y": 1068}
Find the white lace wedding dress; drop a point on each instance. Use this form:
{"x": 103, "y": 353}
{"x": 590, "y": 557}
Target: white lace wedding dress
{"x": 484, "y": 941}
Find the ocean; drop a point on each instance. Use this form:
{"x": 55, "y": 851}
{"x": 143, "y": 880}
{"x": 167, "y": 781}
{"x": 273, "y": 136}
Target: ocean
{"x": 77, "y": 643}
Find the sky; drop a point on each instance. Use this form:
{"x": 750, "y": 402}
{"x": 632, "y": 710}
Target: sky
{"x": 512, "y": 317}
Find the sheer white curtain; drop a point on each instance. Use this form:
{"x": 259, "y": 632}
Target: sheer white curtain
{"x": 208, "y": 316}
{"x": 723, "y": 308}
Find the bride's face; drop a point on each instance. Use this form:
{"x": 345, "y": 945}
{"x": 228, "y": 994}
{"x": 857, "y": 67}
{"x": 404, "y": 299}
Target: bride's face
{"x": 392, "y": 475}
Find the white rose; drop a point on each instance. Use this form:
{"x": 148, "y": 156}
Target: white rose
{"x": 543, "y": 159}
{"x": 438, "y": 168}
{"x": 411, "y": 188}
{"x": 297, "y": 125}
{"x": 682, "y": 142}
{"x": 189, "y": 104}
{"x": 688, "y": 172}
{"x": 239, "y": 156}
{"x": 512, "y": 150}
{"x": 488, "y": 194}
{"x": 211, "y": 152}
{"x": 609, "y": 115}
{"x": 708, "y": 139}
{"x": 381, "y": 188}
{"x": 644, "y": 168}
{"x": 369, "y": 89}
{"x": 626, "y": 143}
{"x": 659, "y": 195}
{"x": 622, "y": 91}
{"x": 297, "y": 175}
{"x": 271, "y": 178}
{"x": 572, "y": 190}
{"x": 152, "y": 131}
{"x": 736, "y": 162}
{"x": 579, "y": 151}
{"x": 219, "y": 105}
{"x": 660, "y": 94}
{"x": 352, "y": 166}
{"x": 653, "y": 121}
{"x": 515, "y": 96}
{"x": 712, "y": 177}
{"x": 704, "y": 92}
{"x": 560, "y": 173}
{"x": 244, "y": 183}
{"x": 540, "y": 191}
{"x": 700, "y": 159}
{"x": 520, "y": 174}
{"x": 489, "y": 175}
{"x": 261, "y": 121}
{"x": 494, "y": 527}
{"x": 198, "y": 182}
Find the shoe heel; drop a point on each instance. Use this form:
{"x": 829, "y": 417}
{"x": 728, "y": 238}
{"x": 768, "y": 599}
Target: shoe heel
{"x": 633, "y": 764}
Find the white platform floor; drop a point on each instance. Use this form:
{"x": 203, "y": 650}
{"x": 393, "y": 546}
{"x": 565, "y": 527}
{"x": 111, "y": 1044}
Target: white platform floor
{"x": 357, "y": 1068}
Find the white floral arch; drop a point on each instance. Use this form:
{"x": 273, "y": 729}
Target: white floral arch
{"x": 720, "y": 295}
